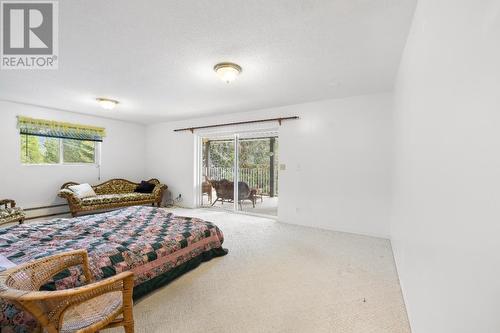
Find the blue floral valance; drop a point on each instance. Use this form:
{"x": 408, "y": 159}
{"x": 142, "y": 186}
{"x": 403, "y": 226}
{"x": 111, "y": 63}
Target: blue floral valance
{"x": 56, "y": 129}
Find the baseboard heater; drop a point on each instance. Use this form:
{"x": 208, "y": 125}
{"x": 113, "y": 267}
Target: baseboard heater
{"x": 46, "y": 207}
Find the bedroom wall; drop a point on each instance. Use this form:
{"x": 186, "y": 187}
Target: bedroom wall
{"x": 447, "y": 186}
{"x": 123, "y": 156}
{"x": 337, "y": 158}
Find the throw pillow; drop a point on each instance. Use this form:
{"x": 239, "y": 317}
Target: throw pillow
{"x": 82, "y": 190}
{"x": 145, "y": 187}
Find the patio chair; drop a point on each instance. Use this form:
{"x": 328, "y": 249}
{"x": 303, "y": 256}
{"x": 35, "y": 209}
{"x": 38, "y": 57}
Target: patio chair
{"x": 257, "y": 193}
{"x": 85, "y": 309}
{"x": 224, "y": 190}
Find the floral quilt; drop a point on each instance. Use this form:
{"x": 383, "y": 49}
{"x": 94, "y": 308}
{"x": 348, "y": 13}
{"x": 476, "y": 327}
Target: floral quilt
{"x": 151, "y": 242}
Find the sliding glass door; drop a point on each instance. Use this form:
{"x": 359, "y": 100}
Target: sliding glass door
{"x": 218, "y": 161}
{"x": 258, "y": 174}
{"x": 242, "y": 166}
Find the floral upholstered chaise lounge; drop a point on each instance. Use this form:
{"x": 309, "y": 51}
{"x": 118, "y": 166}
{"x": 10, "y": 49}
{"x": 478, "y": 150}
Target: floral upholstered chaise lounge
{"x": 114, "y": 193}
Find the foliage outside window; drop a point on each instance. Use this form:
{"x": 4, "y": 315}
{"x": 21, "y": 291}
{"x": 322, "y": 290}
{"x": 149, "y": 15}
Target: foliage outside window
{"x": 48, "y": 150}
{"x": 78, "y": 151}
{"x": 254, "y": 153}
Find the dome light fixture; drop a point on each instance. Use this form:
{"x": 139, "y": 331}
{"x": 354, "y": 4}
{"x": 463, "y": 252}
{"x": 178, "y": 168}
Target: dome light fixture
{"x": 106, "y": 103}
{"x": 227, "y": 71}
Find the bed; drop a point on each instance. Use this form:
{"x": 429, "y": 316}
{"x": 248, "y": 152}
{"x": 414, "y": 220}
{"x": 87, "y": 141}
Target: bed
{"x": 149, "y": 241}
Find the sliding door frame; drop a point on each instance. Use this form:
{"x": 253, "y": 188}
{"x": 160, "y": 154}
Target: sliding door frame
{"x": 198, "y": 170}
{"x": 236, "y": 171}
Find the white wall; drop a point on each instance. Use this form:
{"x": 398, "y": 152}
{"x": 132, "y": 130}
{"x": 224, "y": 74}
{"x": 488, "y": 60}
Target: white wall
{"x": 446, "y": 228}
{"x": 338, "y": 158}
{"x": 123, "y": 156}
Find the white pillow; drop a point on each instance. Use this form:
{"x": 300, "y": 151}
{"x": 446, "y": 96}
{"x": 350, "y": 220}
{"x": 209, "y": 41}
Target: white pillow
{"x": 82, "y": 190}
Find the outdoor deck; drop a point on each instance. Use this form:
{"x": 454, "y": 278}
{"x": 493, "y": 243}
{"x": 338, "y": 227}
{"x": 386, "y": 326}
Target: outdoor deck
{"x": 266, "y": 206}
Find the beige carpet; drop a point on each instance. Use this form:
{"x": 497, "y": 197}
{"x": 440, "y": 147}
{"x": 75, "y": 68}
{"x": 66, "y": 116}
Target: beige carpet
{"x": 280, "y": 278}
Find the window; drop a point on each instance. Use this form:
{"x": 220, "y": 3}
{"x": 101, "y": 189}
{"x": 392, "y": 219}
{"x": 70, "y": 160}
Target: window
{"x": 48, "y": 150}
{"x": 53, "y": 142}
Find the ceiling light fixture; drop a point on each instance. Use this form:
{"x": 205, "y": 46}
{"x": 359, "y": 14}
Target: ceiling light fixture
{"x": 227, "y": 71}
{"x": 106, "y": 103}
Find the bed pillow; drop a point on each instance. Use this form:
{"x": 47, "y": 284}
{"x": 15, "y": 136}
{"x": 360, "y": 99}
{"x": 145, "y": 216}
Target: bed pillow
{"x": 145, "y": 187}
{"x": 82, "y": 190}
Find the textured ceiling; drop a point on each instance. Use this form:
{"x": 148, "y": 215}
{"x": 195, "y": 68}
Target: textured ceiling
{"x": 156, "y": 57}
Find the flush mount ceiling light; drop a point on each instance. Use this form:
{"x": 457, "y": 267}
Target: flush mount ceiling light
{"x": 227, "y": 71}
{"x": 106, "y": 103}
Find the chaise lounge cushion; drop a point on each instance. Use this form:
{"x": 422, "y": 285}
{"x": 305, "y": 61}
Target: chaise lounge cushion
{"x": 83, "y": 190}
{"x": 115, "y": 198}
{"x": 145, "y": 187}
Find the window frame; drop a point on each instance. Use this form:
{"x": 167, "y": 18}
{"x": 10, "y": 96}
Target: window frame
{"x": 97, "y": 155}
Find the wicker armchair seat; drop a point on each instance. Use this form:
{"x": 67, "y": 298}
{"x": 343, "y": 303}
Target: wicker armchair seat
{"x": 95, "y": 310}
{"x": 114, "y": 193}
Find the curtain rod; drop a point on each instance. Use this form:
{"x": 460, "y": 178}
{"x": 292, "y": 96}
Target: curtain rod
{"x": 243, "y": 139}
{"x": 279, "y": 120}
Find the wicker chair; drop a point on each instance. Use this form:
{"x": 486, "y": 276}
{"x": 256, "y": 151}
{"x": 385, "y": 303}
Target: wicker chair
{"x": 90, "y": 308}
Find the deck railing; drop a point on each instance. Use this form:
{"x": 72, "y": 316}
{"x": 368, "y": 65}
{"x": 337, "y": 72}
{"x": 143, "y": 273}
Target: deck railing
{"x": 254, "y": 177}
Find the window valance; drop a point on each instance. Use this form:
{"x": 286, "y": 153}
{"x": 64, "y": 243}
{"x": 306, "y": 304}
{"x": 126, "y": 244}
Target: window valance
{"x": 56, "y": 129}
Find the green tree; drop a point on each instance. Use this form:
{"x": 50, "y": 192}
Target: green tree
{"x": 78, "y": 151}
{"x": 51, "y": 147}
{"x": 39, "y": 150}
{"x": 253, "y": 153}
{"x": 221, "y": 154}
{"x": 30, "y": 152}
